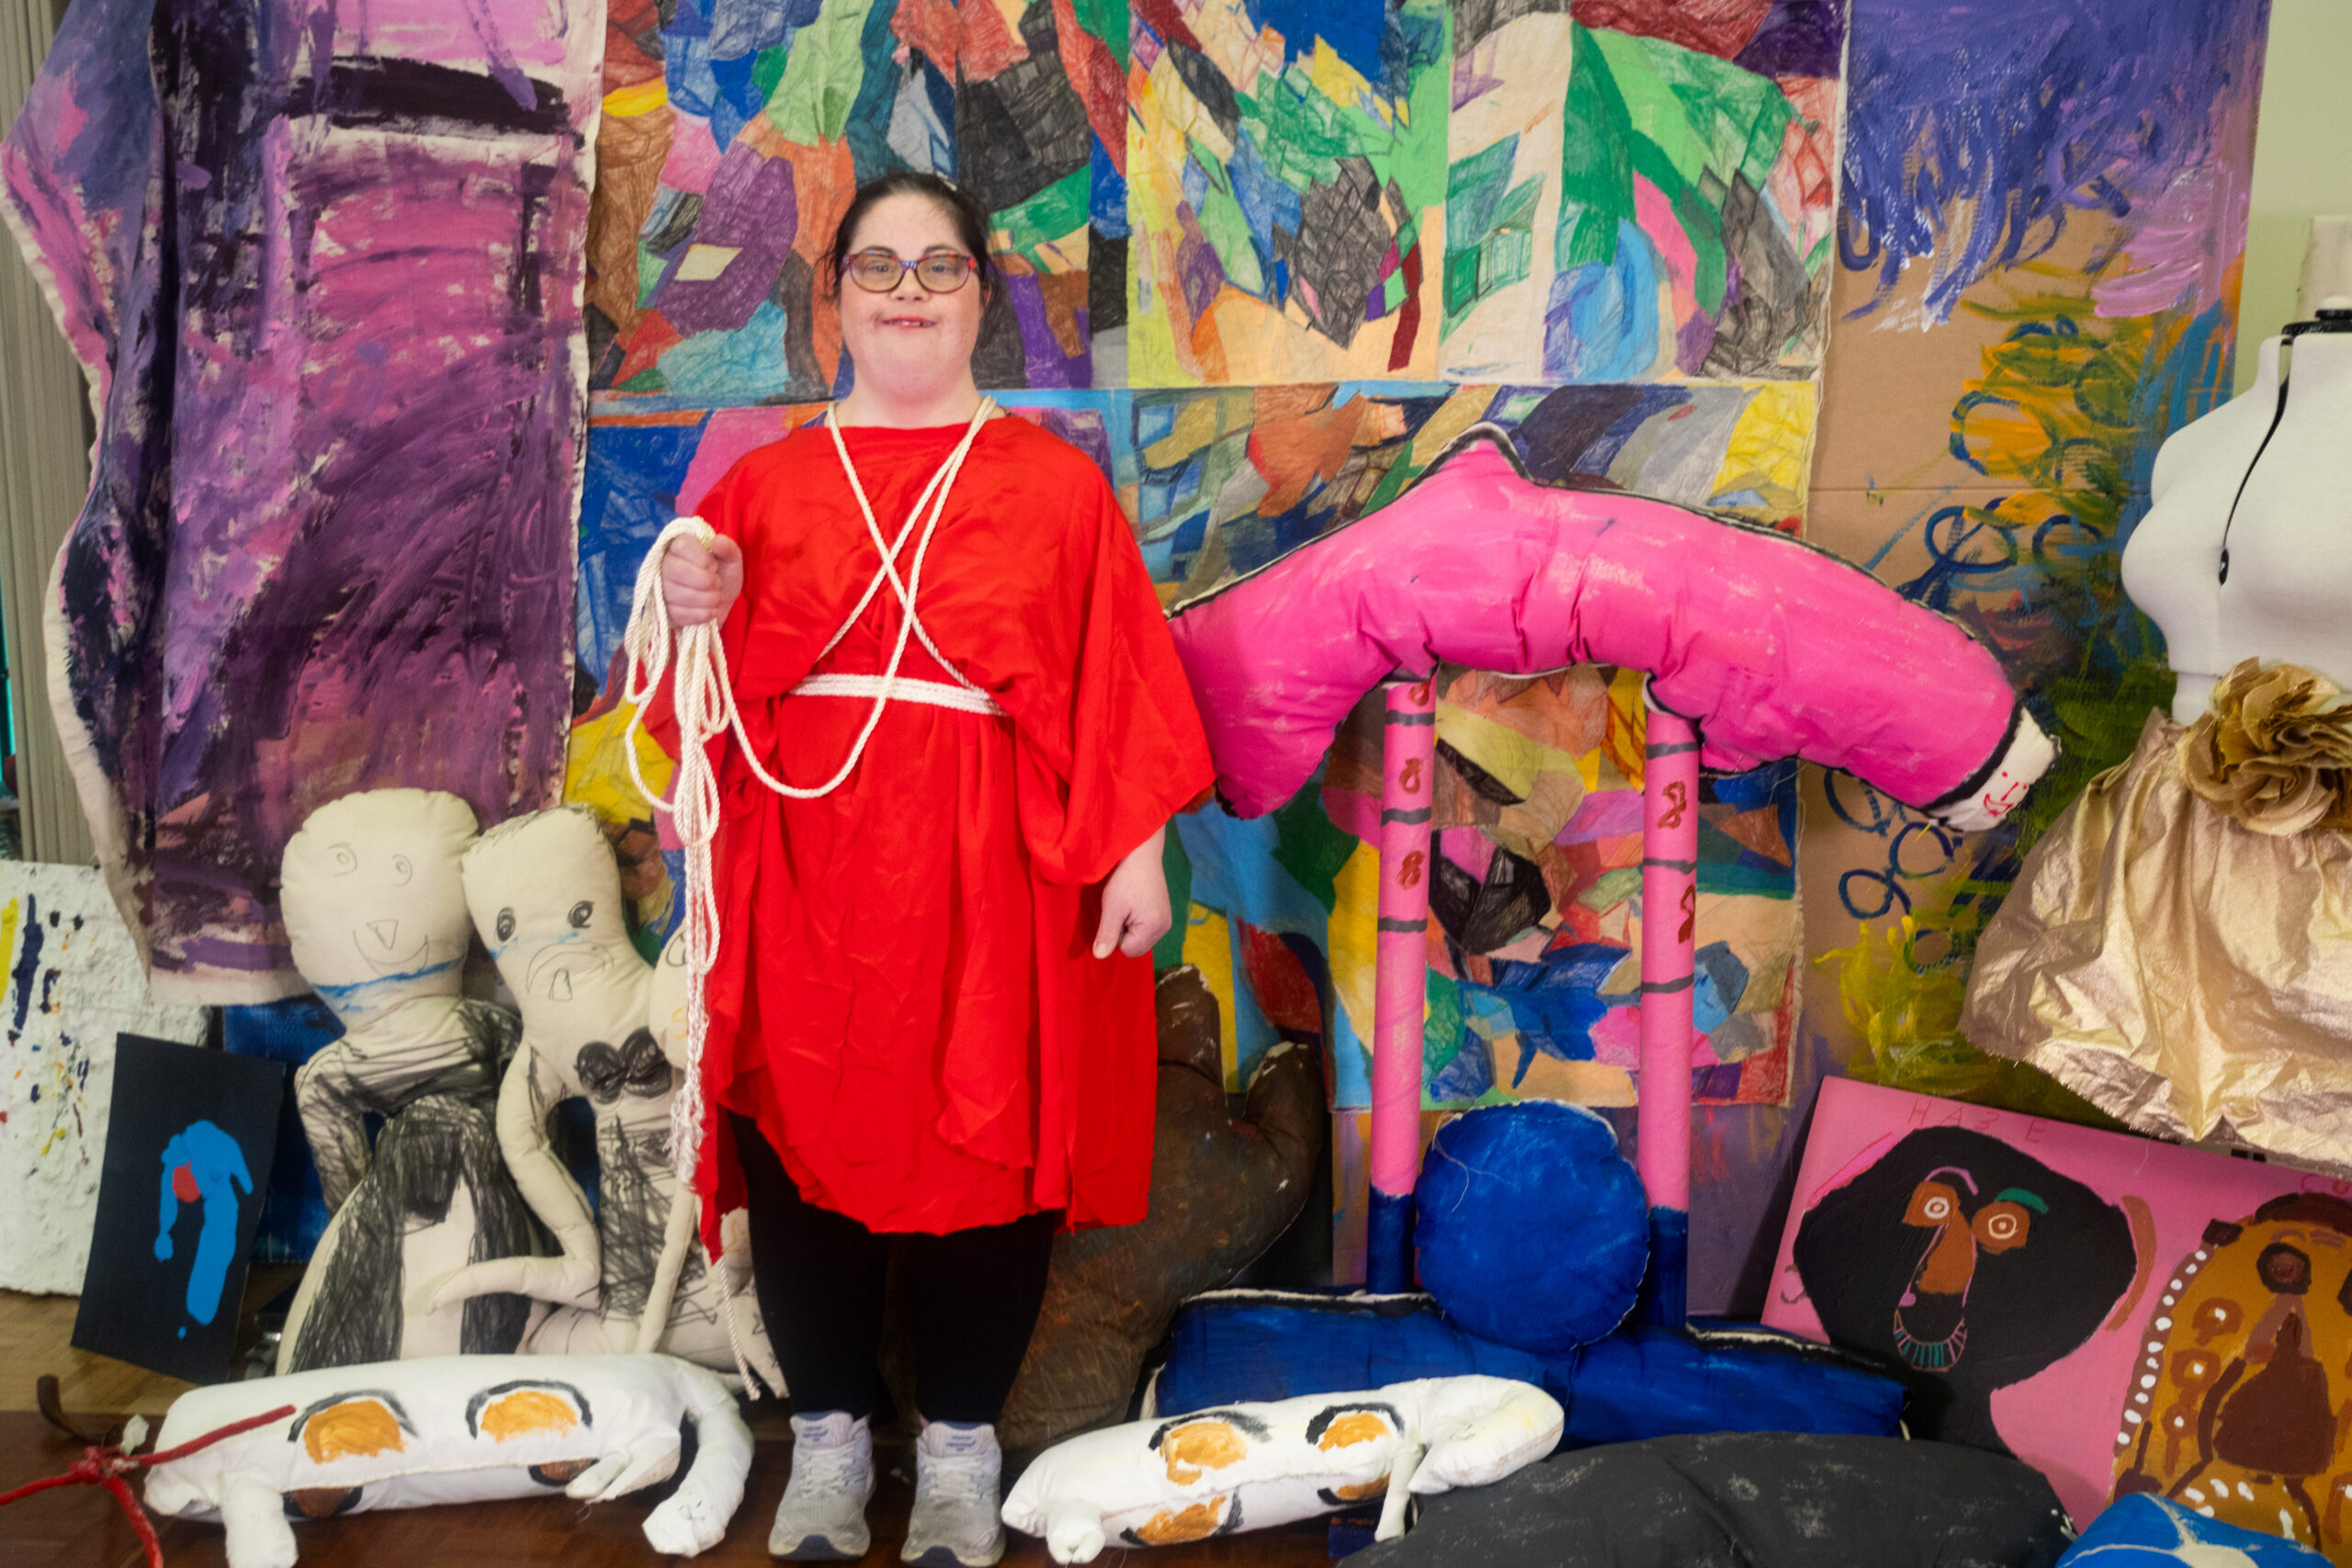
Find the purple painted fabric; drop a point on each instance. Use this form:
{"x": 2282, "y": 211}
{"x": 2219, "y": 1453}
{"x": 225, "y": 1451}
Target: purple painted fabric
{"x": 322, "y": 265}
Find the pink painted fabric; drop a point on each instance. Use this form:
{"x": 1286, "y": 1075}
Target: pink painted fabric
{"x": 1771, "y": 648}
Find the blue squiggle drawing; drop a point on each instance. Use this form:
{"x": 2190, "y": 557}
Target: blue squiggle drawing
{"x": 201, "y": 1163}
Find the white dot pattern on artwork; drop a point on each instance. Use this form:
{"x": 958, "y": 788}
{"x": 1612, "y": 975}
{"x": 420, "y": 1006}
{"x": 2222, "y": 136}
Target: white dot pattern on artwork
{"x": 2154, "y": 1363}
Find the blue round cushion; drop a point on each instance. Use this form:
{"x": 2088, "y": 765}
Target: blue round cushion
{"x": 1531, "y": 1228}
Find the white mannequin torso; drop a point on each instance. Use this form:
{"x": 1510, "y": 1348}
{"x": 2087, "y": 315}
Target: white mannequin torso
{"x": 2288, "y": 593}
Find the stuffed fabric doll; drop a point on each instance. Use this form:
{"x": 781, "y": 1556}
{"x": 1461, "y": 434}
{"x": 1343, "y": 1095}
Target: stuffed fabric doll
{"x": 375, "y": 915}
{"x": 455, "y": 1429}
{"x": 546, "y": 896}
{"x": 1245, "y": 1466}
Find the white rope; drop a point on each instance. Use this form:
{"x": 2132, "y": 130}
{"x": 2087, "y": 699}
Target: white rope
{"x": 907, "y": 689}
{"x": 704, "y": 701}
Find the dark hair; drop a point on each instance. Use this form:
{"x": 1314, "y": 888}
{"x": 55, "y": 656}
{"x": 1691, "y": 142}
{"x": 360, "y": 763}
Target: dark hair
{"x": 970, "y": 220}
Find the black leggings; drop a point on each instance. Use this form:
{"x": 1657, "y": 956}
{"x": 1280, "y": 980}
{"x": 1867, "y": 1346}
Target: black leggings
{"x": 975, "y": 1295}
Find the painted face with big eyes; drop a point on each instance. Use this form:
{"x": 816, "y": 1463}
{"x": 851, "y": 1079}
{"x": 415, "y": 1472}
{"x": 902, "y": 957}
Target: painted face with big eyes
{"x": 1930, "y": 1319}
{"x": 374, "y": 909}
{"x": 906, "y": 339}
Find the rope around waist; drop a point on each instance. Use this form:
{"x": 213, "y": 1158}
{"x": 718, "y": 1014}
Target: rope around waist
{"x": 905, "y": 689}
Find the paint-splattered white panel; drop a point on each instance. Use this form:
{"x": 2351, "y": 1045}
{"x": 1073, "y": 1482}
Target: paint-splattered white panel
{"x": 73, "y": 981}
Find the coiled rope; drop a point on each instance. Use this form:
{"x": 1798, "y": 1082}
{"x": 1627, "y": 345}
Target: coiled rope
{"x": 702, "y": 697}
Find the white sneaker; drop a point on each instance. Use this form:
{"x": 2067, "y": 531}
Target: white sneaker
{"x": 955, "y": 1522}
{"x": 823, "y": 1517}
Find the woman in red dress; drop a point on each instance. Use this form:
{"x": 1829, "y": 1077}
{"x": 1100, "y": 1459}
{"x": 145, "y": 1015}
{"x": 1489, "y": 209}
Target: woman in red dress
{"x": 932, "y": 1011}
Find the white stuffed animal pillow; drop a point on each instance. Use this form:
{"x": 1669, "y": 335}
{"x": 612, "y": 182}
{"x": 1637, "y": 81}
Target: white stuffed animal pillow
{"x": 455, "y": 1429}
{"x": 1246, "y": 1466}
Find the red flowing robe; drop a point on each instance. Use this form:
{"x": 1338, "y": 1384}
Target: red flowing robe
{"x": 905, "y": 997}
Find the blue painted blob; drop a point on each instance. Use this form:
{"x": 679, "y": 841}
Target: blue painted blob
{"x": 1722, "y": 981}
{"x": 30, "y": 935}
{"x": 1532, "y": 1227}
{"x": 1600, "y": 323}
{"x": 202, "y": 1160}
{"x": 1106, "y": 194}
{"x": 2147, "y": 1531}
{"x": 628, "y": 495}
{"x": 1352, "y": 31}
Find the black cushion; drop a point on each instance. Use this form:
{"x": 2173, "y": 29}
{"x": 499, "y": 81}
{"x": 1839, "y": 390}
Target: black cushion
{"x": 1745, "y": 1500}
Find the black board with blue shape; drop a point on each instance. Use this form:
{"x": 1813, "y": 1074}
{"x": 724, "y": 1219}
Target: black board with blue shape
{"x": 189, "y": 1142}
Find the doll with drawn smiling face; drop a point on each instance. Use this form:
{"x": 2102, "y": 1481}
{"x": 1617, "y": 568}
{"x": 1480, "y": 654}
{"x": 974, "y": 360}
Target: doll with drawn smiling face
{"x": 374, "y": 909}
{"x": 544, "y": 893}
{"x": 374, "y": 914}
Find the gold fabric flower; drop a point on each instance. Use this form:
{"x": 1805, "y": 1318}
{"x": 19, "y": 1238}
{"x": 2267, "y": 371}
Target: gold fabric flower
{"x": 2275, "y": 752}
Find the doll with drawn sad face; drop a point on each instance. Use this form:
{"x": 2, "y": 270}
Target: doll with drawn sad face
{"x": 545, "y": 894}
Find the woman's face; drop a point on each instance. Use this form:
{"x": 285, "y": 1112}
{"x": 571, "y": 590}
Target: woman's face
{"x": 909, "y": 341}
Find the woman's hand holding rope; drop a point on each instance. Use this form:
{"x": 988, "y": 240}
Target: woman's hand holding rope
{"x": 700, "y": 583}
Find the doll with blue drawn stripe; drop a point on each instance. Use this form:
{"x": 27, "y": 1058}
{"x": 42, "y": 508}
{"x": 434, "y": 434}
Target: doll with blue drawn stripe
{"x": 375, "y": 913}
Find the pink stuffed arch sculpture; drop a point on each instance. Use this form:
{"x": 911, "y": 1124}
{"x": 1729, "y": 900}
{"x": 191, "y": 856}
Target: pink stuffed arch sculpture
{"x": 1771, "y": 648}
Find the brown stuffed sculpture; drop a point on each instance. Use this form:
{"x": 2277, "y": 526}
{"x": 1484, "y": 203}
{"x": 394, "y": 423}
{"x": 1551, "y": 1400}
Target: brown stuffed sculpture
{"x": 1222, "y": 1191}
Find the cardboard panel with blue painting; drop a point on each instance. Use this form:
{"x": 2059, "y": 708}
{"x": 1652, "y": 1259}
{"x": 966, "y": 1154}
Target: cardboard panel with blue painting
{"x": 189, "y": 1145}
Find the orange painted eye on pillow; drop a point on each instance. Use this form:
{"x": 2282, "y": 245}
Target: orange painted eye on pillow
{"x": 1211, "y": 1439}
{"x": 1198, "y": 1447}
{"x": 526, "y": 1408}
{"x": 1344, "y": 1426}
{"x": 349, "y": 1425}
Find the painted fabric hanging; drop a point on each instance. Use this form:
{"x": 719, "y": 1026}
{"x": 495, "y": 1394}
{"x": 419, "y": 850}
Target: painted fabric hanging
{"x": 322, "y": 267}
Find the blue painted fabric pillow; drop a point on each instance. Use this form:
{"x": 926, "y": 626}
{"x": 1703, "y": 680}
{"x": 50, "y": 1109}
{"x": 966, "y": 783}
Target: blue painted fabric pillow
{"x": 1233, "y": 1347}
{"x": 1530, "y": 1226}
{"x": 2147, "y": 1531}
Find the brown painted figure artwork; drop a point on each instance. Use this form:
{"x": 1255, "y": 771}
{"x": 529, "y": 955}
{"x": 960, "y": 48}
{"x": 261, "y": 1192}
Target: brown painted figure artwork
{"x": 2240, "y": 1403}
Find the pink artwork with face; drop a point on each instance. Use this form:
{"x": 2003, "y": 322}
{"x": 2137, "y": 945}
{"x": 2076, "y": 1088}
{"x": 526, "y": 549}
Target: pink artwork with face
{"x": 2078, "y": 1298}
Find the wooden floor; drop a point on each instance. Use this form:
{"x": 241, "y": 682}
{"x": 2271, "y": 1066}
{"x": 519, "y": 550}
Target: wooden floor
{"x": 35, "y": 1337}
{"x": 81, "y": 1526}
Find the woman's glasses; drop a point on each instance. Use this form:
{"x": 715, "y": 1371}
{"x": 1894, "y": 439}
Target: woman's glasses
{"x": 942, "y": 272}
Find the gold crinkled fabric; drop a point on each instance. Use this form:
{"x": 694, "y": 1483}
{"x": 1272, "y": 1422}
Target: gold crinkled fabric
{"x": 2188, "y": 971}
{"x": 2276, "y": 752}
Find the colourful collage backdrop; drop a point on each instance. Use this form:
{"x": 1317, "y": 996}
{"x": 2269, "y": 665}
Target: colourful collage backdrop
{"x": 1265, "y": 258}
